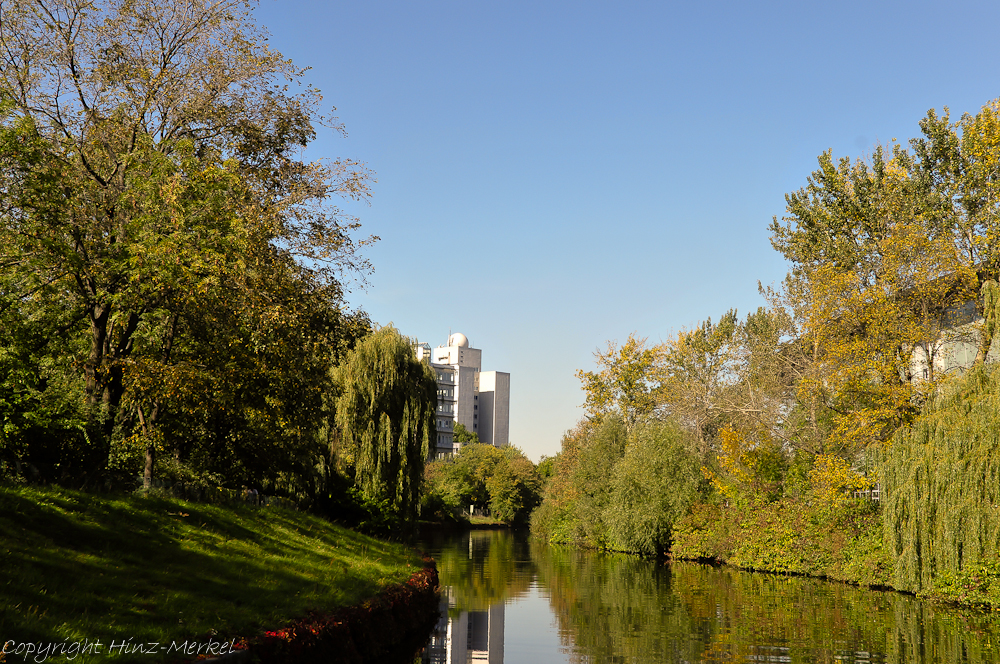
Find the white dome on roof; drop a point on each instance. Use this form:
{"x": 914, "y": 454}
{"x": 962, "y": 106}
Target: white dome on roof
{"x": 458, "y": 339}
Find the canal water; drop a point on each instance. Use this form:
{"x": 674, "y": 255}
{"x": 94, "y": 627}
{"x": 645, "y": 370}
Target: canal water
{"x": 506, "y": 598}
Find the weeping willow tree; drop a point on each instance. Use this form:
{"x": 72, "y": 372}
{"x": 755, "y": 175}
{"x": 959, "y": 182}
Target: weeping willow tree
{"x": 941, "y": 482}
{"x": 385, "y": 413}
{"x": 652, "y": 486}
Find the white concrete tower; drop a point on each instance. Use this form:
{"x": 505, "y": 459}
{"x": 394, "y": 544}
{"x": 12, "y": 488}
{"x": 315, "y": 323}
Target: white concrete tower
{"x": 479, "y": 401}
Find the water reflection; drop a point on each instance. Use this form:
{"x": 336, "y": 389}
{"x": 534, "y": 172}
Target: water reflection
{"x": 528, "y": 601}
{"x": 466, "y": 636}
{"x": 479, "y": 570}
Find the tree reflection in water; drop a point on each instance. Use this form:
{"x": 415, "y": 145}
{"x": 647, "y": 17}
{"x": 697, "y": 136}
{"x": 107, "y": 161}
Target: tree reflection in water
{"x": 619, "y": 608}
{"x": 479, "y": 571}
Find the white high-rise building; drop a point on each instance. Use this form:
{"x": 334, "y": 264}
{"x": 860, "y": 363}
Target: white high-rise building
{"x": 478, "y": 400}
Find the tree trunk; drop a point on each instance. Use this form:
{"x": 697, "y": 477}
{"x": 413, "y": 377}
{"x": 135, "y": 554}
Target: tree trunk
{"x": 99, "y": 315}
{"x": 991, "y": 317}
{"x": 147, "y": 473}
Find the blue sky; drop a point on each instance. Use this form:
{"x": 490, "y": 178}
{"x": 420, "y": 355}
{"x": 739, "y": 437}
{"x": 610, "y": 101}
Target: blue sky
{"x": 553, "y": 175}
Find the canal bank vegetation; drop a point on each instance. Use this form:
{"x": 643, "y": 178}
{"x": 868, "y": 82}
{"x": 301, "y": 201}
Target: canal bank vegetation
{"x": 481, "y": 480}
{"x": 82, "y": 566}
{"x": 846, "y": 429}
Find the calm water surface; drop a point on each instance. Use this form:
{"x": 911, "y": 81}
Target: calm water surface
{"x": 509, "y": 599}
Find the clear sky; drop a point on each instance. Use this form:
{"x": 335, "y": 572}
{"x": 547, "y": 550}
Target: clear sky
{"x": 553, "y": 175}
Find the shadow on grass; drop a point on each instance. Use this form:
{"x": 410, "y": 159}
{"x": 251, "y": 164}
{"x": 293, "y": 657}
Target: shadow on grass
{"x": 79, "y": 566}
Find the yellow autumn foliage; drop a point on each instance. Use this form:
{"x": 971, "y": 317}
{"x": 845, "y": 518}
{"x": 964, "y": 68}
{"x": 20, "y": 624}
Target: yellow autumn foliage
{"x": 833, "y": 479}
{"x": 749, "y": 469}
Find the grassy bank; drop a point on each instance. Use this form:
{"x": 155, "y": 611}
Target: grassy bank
{"x": 79, "y": 566}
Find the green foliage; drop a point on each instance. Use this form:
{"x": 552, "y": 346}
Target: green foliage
{"x": 463, "y": 435}
{"x": 385, "y": 412}
{"x": 698, "y": 369}
{"x": 599, "y": 453}
{"x": 747, "y": 471}
{"x": 619, "y": 489}
{"x": 653, "y": 485}
{"x": 978, "y": 585}
{"x": 624, "y": 384}
{"x": 887, "y": 253}
{"x": 514, "y": 487}
{"x": 169, "y": 294}
{"x": 941, "y": 483}
{"x": 502, "y": 479}
{"x": 461, "y": 478}
{"x": 792, "y": 535}
{"x": 546, "y": 467}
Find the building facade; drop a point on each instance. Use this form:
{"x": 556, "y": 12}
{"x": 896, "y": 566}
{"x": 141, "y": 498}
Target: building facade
{"x": 478, "y": 400}
{"x": 956, "y": 346}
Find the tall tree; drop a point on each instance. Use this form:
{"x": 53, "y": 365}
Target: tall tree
{"x": 385, "y": 412}
{"x": 956, "y": 166}
{"x": 150, "y": 170}
{"x": 698, "y": 367}
{"x": 147, "y": 145}
{"x": 624, "y": 383}
{"x": 941, "y": 483}
{"x": 882, "y": 281}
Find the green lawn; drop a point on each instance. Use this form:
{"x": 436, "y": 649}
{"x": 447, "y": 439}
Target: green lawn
{"x": 77, "y": 566}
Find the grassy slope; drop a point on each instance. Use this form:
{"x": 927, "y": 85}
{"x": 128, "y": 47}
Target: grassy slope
{"x": 77, "y": 566}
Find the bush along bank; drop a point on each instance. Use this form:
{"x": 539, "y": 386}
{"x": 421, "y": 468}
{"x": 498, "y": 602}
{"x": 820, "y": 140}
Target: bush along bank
{"x": 791, "y": 536}
{"x": 391, "y": 627}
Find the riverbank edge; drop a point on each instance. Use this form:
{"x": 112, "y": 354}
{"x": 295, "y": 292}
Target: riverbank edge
{"x": 354, "y": 634}
{"x": 448, "y": 527}
{"x": 715, "y": 562}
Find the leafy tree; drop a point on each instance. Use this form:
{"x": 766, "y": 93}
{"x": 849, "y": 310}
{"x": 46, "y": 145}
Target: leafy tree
{"x": 463, "y": 435}
{"x": 653, "y": 485}
{"x": 620, "y": 489}
{"x": 600, "y": 450}
{"x": 887, "y": 254}
{"x": 502, "y": 479}
{"x": 555, "y": 519}
{"x": 941, "y": 483}
{"x": 624, "y": 384}
{"x": 515, "y": 487}
{"x": 150, "y": 168}
{"x": 698, "y": 367}
{"x": 462, "y": 478}
{"x": 546, "y": 467}
{"x": 385, "y": 412}
{"x": 748, "y": 471}
{"x": 955, "y": 165}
